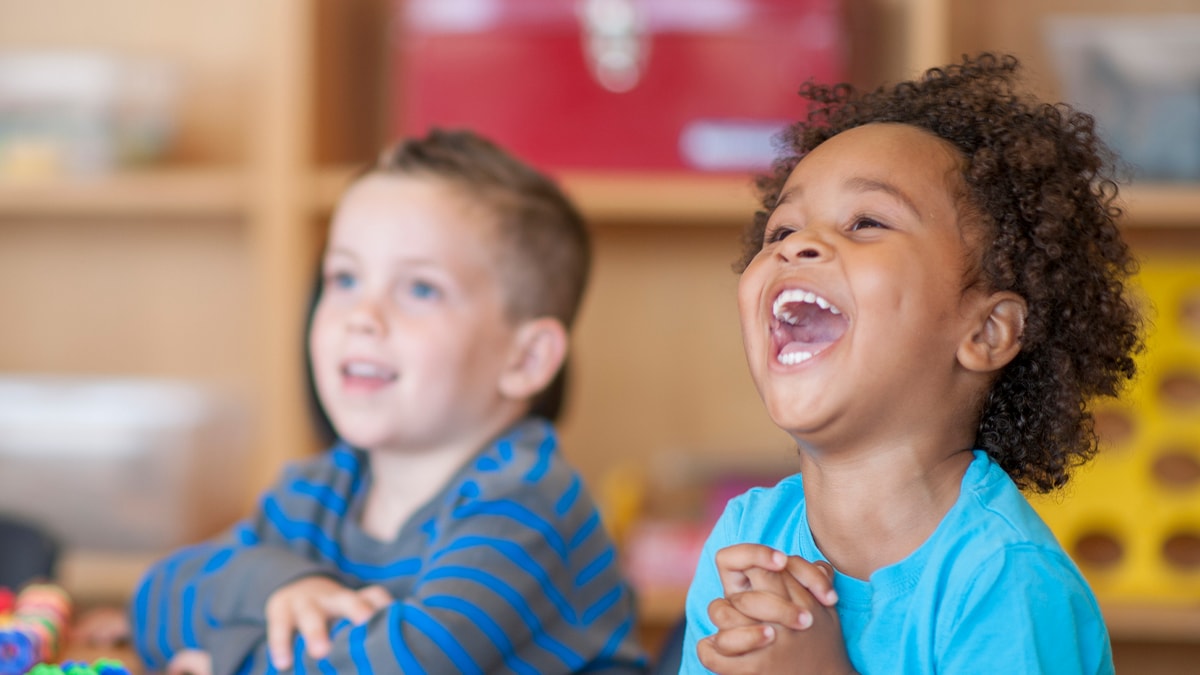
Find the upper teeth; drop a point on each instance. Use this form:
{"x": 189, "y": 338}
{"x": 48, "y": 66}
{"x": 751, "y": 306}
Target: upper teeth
{"x": 360, "y": 369}
{"x": 796, "y": 295}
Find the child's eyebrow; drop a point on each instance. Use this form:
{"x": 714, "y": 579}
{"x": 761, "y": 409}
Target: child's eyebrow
{"x": 862, "y": 184}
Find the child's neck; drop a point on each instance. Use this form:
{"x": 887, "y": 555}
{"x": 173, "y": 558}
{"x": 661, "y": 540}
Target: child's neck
{"x": 405, "y": 479}
{"x": 873, "y": 509}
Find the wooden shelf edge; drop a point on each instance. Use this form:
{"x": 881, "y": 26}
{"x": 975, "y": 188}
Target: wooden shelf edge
{"x": 1152, "y": 623}
{"x": 619, "y": 198}
{"x": 97, "y": 577}
{"x": 173, "y": 192}
{"x": 604, "y": 198}
{"x": 1162, "y": 205}
{"x": 662, "y": 198}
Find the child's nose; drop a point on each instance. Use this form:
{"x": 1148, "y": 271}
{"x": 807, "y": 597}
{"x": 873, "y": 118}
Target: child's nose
{"x": 805, "y": 246}
{"x": 367, "y": 317}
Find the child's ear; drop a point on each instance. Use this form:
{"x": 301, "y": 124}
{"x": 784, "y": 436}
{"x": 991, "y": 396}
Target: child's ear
{"x": 996, "y": 339}
{"x": 538, "y": 351}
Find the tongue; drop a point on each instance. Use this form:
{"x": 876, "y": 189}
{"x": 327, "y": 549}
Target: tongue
{"x": 814, "y": 329}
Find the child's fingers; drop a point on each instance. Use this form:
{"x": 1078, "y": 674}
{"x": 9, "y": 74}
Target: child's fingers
{"x": 352, "y": 605}
{"x": 733, "y": 562}
{"x": 725, "y": 616}
{"x": 376, "y": 596}
{"x": 817, "y": 577}
{"x": 762, "y": 607}
{"x": 312, "y": 624}
{"x": 190, "y": 662}
{"x": 280, "y": 628}
{"x": 739, "y": 641}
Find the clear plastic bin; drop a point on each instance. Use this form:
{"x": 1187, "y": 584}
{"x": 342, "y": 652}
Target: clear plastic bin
{"x": 121, "y": 464}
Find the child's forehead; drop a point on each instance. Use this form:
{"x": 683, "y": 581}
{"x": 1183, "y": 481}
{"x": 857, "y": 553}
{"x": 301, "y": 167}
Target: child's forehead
{"x": 417, "y": 201}
{"x": 890, "y": 153}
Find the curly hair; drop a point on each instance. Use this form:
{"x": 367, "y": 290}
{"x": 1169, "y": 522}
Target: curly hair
{"x": 1041, "y": 185}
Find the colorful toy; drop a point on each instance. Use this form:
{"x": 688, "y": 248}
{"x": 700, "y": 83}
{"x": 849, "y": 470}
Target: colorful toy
{"x": 1131, "y": 519}
{"x": 99, "y": 667}
{"x": 31, "y": 632}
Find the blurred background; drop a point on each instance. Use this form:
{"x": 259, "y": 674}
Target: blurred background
{"x": 167, "y": 170}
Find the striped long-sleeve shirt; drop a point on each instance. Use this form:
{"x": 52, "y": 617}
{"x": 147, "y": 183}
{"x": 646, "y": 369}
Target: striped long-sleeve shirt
{"x": 508, "y": 569}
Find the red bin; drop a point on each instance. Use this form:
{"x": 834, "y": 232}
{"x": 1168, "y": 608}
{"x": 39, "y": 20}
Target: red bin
{"x": 616, "y": 84}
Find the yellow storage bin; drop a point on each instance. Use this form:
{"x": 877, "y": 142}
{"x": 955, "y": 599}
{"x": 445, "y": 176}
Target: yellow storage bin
{"x": 1131, "y": 518}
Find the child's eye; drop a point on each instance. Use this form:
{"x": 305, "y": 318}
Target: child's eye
{"x": 341, "y": 280}
{"x": 776, "y": 234}
{"x": 866, "y": 223}
{"x": 423, "y": 290}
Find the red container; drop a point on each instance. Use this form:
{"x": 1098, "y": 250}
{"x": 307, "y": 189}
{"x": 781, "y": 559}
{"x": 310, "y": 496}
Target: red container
{"x": 616, "y": 84}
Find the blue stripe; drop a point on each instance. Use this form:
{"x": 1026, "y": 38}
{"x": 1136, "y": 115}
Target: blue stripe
{"x": 567, "y": 500}
{"x": 615, "y": 640}
{"x": 298, "y": 655}
{"x": 325, "y": 496}
{"x": 247, "y": 665}
{"x": 404, "y": 655}
{"x": 487, "y": 626}
{"x": 441, "y": 637}
{"x": 601, "y": 606}
{"x": 519, "y": 513}
{"x": 505, "y": 449}
{"x": 600, "y": 564}
{"x": 519, "y": 556}
{"x": 326, "y": 667}
{"x": 141, "y": 610}
{"x": 217, "y": 560}
{"x": 187, "y": 606}
{"x": 292, "y": 530}
{"x": 518, "y": 603}
{"x": 214, "y": 564}
{"x": 358, "y": 650}
{"x": 164, "y": 606}
{"x": 545, "y": 453}
{"x": 585, "y": 530}
{"x": 345, "y": 459}
{"x": 245, "y": 535}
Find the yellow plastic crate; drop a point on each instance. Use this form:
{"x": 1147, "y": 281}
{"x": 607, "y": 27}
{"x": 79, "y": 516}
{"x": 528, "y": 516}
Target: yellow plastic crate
{"x": 1131, "y": 518}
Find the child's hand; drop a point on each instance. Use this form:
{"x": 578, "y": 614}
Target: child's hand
{"x": 190, "y": 662}
{"x": 777, "y": 625}
{"x": 307, "y": 605}
{"x": 754, "y": 567}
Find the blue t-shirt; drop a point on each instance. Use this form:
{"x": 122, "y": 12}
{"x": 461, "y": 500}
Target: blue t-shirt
{"x": 991, "y": 590}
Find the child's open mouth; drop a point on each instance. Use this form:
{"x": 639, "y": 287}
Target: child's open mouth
{"x": 363, "y": 374}
{"x": 805, "y": 324}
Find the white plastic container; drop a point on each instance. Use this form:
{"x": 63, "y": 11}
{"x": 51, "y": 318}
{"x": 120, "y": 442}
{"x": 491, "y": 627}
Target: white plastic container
{"x": 120, "y": 464}
{"x": 79, "y": 112}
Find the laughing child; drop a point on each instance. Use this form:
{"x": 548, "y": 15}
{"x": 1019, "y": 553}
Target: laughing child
{"x": 932, "y": 295}
{"x": 443, "y": 533}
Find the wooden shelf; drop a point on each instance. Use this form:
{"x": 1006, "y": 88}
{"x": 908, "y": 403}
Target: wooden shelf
{"x": 1153, "y": 623}
{"x": 699, "y": 199}
{"x": 1162, "y": 205}
{"x": 622, "y": 198}
{"x": 605, "y": 198}
{"x": 176, "y": 193}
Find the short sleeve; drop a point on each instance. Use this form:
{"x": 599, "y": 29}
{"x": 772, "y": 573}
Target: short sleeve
{"x": 1022, "y": 592}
